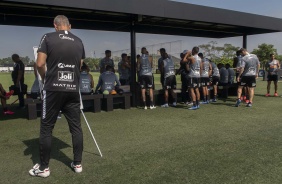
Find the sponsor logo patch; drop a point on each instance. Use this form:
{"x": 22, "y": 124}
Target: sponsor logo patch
{"x": 62, "y": 65}
{"x": 64, "y": 37}
{"x": 66, "y": 76}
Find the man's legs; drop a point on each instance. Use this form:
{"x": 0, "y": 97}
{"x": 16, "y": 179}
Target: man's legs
{"x": 198, "y": 95}
{"x": 1, "y": 89}
{"x": 184, "y": 91}
{"x": 239, "y": 94}
{"x": 251, "y": 94}
{"x": 71, "y": 111}
{"x": 194, "y": 98}
{"x": 275, "y": 87}
{"x": 214, "y": 91}
{"x": 50, "y": 110}
{"x": 165, "y": 98}
{"x": 205, "y": 93}
{"x": 21, "y": 99}
{"x": 143, "y": 92}
{"x": 268, "y": 87}
{"x": 151, "y": 97}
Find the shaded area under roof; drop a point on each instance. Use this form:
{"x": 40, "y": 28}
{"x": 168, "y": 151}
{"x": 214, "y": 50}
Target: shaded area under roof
{"x": 149, "y": 16}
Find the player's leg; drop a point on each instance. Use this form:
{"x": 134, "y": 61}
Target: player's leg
{"x": 268, "y": 87}
{"x": 150, "y": 82}
{"x": 275, "y": 85}
{"x": 50, "y": 109}
{"x": 71, "y": 110}
{"x": 143, "y": 91}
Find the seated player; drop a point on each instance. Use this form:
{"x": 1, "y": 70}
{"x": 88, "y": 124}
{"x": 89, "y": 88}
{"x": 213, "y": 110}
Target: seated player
{"x": 106, "y": 82}
{"x": 86, "y": 81}
{"x": 4, "y": 97}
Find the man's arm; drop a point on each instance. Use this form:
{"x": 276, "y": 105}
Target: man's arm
{"x": 101, "y": 66}
{"x": 240, "y": 73}
{"x": 92, "y": 81}
{"x": 41, "y": 64}
{"x": 210, "y": 70}
{"x": 162, "y": 67}
{"x": 117, "y": 81}
{"x": 99, "y": 84}
{"x": 35, "y": 70}
{"x": 151, "y": 61}
{"x": 138, "y": 64}
{"x": 257, "y": 70}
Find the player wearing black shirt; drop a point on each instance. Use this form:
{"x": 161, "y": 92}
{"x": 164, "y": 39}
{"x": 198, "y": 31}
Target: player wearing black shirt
{"x": 62, "y": 53}
{"x": 18, "y": 78}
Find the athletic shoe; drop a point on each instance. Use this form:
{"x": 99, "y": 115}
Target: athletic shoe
{"x": 174, "y": 104}
{"x": 189, "y": 103}
{"x": 193, "y": 107}
{"x": 10, "y": 93}
{"x": 267, "y": 94}
{"x": 249, "y": 104}
{"x": 275, "y": 94}
{"x": 214, "y": 100}
{"x": 36, "y": 172}
{"x": 7, "y": 112}
{"x": 247, "y": 101}
{"x": 198, "y": 106}
{"x": 76, "y": 168}
{"x": 145, "y": 108}
{"x": 238, "y": 103}
{"x": 164, "y": 105}
{"x": 204, "y": 102}
{"x": 152, "y": 107}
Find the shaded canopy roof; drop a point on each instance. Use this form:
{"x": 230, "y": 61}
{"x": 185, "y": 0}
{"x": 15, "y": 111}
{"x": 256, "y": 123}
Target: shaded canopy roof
{"x": 149, "y": 16}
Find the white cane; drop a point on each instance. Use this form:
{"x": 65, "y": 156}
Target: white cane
{"x": 81, "y": 109}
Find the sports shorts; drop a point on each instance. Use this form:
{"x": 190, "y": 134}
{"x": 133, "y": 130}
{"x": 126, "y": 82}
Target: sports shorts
{"x": 170, "y": 82}
{"x": 146, "y": 81}
{"x": 248, "y": 81}
{"x": 194, "y": 82}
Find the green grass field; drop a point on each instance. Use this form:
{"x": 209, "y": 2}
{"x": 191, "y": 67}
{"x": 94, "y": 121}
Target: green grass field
{"x": 216, "y": 144}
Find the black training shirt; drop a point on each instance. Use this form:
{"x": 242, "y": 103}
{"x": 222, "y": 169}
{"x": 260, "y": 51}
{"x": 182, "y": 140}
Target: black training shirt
{"x": 64, "y": 53}
{"x": 18, "y": 66}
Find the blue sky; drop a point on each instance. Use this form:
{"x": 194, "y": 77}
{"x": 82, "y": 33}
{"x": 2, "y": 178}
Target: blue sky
{"x": 16, "y": 39}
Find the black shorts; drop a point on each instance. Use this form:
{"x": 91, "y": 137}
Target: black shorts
{"x": 194, "y": 82}
{"x": 215, "y": 80}
{"x": 146, "y": 81}
{"x": 162, "y": 79}
{"x": 272, "y": 78}
{"x": 124, "y": 82}
{"x": 248, "y": 81}
{"x": 205, "y": 81}
{"x": 170, "y": 82}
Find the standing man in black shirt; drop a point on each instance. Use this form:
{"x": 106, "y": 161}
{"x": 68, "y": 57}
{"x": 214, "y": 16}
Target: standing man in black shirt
{"x": 18, "y": 78}
{"x": 62, "y": 53}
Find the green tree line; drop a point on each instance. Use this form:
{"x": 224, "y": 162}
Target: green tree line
{"x": 226, "y": 53}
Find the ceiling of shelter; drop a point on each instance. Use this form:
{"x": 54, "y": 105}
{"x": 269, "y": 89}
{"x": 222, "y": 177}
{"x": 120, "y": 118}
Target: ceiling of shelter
{"x": 26, "y": 14}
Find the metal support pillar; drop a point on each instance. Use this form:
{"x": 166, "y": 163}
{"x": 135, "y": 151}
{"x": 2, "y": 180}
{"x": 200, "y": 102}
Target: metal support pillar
{"x": 133, "y": 84}
{"x": 245, "y": 41}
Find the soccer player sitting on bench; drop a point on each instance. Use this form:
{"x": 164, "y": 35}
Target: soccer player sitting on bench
{"x": 86, "y": 81}
{"x": 86, "y": 84}
{"x": 106, "y": 82}
{"x": 4, "y": 97}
